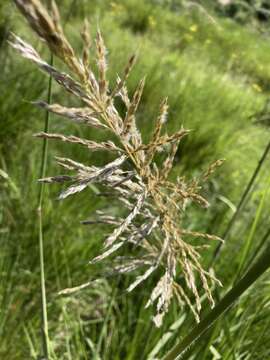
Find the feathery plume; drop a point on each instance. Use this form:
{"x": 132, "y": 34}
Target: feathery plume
{"x": 154, "y": 204}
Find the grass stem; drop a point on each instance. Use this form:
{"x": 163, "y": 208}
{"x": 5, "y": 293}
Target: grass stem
{"x": 45, "y": 334}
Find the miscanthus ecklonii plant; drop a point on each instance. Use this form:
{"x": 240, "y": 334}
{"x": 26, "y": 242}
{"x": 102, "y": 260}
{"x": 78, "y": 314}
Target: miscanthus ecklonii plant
{"x": 154, "y": 204}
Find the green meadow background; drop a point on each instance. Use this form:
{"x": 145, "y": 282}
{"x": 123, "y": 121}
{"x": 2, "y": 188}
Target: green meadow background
{"x": 213, "y": 63}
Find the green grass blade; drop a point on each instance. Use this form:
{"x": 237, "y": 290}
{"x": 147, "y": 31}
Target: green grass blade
{"x": 242, "y": 200}
{"x": 249, "y": 279}
{"x": 248, "y": 243}
{"x": 258, "y": 249}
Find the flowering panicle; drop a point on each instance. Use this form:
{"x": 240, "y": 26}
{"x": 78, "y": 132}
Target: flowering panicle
{"x": 154, "y": 204}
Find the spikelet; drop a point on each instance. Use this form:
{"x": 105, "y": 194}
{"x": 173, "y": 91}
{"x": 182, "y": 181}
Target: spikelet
{"x": 63, "y": 79}
{"x": 118, "y": 231}
{"x": 80, "y": 115}
{"x": 211, "y": 169}
{"x": 50, "y": 30}
{"x": 91, "y": 145}
{"x": 129, "y": 121}
{"x": 154, "y": 204}
{"x": 102, "y": 67}
{"x": 85, "y": 34}
{"x": 168, "y": 163}
{"x": 121, "y": 82}
{"x": 164, "y": 140}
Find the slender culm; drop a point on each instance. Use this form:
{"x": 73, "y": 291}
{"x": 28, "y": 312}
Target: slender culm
{"x": 45, "y": 332}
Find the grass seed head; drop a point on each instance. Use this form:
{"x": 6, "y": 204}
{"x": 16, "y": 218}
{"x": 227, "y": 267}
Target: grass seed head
{"x": 154, "y": 205}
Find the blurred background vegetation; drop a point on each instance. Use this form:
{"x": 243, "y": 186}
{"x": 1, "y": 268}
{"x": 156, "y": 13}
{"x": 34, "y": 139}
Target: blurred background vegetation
{"x": 212, "y": 60}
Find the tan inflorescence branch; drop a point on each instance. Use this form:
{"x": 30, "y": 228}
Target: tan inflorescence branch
{"x": 154, "y": 204}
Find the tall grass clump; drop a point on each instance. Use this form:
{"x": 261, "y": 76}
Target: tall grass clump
{"x": 136, "y": 173}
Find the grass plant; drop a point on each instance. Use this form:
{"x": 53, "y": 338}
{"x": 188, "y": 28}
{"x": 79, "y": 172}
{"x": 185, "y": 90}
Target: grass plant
{"x": 156, "y": 238}
{"x": 214, "y": 73}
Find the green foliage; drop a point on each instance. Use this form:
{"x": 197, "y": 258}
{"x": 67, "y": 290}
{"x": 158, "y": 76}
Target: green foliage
{"x": 216, "y": 76}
